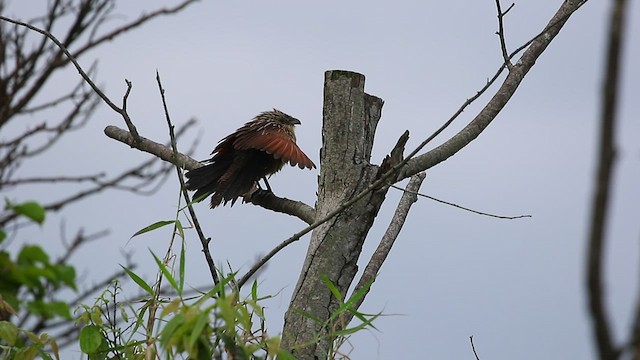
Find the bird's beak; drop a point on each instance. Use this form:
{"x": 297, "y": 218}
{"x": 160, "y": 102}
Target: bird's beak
{"x": 296, "y": 122}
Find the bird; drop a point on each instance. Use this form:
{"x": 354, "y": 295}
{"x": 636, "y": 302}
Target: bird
{"x": 255, "y": 151}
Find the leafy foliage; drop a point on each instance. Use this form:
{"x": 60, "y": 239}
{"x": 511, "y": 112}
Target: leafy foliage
{"x": 201, "y": 327}
{"x": 26, "y": 287}
{"x": 337, "y": 326}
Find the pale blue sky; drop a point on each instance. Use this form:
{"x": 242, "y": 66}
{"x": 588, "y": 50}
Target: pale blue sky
{"x": 516, "y": 286}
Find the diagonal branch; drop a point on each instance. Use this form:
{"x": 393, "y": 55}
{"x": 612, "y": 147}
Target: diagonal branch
{"x": 122, "y": 111}
{"x": 135, "y": 24}
{"x": 388, "y": 239}
{"x": 149, "y": 146}
{"x": 174, "y": 145}
{"x": 497, "y": 102}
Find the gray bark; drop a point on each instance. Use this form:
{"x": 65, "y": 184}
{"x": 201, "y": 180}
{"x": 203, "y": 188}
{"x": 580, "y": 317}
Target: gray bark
{"x": 350, "y": 118}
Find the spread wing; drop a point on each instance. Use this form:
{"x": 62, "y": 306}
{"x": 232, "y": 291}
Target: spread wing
{"x": 276, "y": 142}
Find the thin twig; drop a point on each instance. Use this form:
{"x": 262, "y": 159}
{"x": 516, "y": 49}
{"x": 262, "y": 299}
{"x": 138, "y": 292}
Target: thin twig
{"x": 462, "y": 207}
{"x": 500, "y": 33}
{"x": 203, "y": 239}
{"x": 473, "y": 347}
{"x": 79, "y": 240}
{"x": 133, "y": 172}
{"x": 54, "y": 179}
{"x": 84, "y": 75}
{"x": 407, "y": 172}
{"x": 140, "y": 21}
{"x": 541, "y": 33}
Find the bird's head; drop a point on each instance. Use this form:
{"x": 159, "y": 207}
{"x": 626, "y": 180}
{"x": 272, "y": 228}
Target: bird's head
{"x": 282, "y": 118}
{"x": 279, "y": 119}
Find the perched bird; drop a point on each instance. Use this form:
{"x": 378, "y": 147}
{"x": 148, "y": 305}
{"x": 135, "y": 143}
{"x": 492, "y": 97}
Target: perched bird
{"x": 258, "y": 149}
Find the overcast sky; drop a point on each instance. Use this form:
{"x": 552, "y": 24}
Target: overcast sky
{"x": 515, "y": 285}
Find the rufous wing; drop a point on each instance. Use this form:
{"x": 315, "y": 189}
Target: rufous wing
{"x": 277, "y": 144}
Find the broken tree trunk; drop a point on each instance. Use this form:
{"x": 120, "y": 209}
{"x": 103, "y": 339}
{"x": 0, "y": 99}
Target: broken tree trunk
{"x": 350, "y": 117}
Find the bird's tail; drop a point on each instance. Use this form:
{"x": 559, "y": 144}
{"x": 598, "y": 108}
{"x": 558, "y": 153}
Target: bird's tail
{"x": 224, "y": 182}
{"x": 205, "y": 181}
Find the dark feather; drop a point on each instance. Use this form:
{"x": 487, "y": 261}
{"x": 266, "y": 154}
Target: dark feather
{"x": 258, "y": 149}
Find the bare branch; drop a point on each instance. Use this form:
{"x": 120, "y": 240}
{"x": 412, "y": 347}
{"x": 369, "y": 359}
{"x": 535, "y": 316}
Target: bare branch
{"x": 388, "y": 239}
{"x": 87, "y": 13}
{"x": 464, "y": 208}
{"x": 500, "y": 33}
{"x": 136, "y": 171}
{"x": 149, "y": 146}
{"x": 122, "y": 111}
{"x": 135, "y": 24}
{"x": 270, "y": 201}
{"x": 79, "y": 240}
{"x": 54, "y": 179}
{"x": 534, "y": 49}
{"x": 59, "y": 100}
{"x": 607, "y": 350}
{"x": 203, "y": 239}
{"x": 634, "y": 340}
{"x": 473, "y": 347}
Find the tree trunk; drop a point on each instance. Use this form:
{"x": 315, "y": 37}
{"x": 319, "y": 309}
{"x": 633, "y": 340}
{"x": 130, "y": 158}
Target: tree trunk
{"x": 350, "y": 117}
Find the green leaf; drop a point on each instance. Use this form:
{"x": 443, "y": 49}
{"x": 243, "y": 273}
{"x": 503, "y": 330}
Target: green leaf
{"x": 67, "y": 274}
{"x": 138, "y": 280}
{"x": 348, "y": 305}
{"x": 26, "y": 353}
{"x": 31, "y": 209}
{"x": 96, "y": 315}
{"x": 181, "y": 268}
{"x": 365, "y": 323}
{"x": 363, "y": 318}
{"x": 170, "y": 328}
{"x": 254, "y": 290}
{"x": 166, "y": 272}
{"x": 59, "y": 308}
{"x": 171, "y": 307}
{"x": 123, "y": 313}
{"x": 3, "y": 235}
{"x": 90, "y": 339}
{"x": 33, "y": 337}
{"x": 227, "y": 312}
{"x": 285, "y": 355}
{"x": 8, "y": 332}
{"x": 31, "y": 254}
{"x": 196, "y": 331}
{"x": 179, "y": 229}
{"x": 38, "y": 307}
{"x": 332, "y": 287}
{"x": 140, "y": 317}
{"x": 54, "y": 348}
{"x": 361, "y": 293}
{"x": 152, "y": 227}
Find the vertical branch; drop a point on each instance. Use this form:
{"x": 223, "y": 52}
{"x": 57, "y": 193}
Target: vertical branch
{"x": 503, "y": 43}
{"x": 606, "y": 157}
